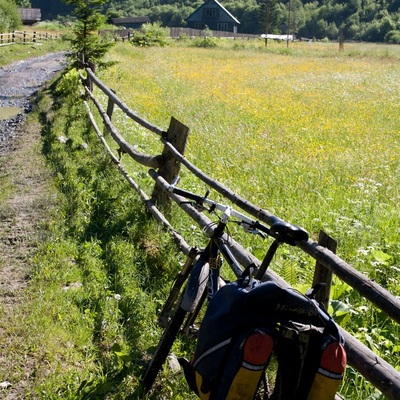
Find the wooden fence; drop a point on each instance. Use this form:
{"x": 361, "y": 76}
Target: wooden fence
{"x": 164, "y": 167}
{"x": 175, "y": 33}
{"x": 179, "y": 32}
{"x": 24, "y": 37}
{"x": 117, "y": 34}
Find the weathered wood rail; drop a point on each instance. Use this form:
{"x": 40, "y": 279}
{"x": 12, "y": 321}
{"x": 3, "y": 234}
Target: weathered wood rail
{"x": 175, "y": 33}
{"x": 190, "y": 32}
{"x": 376, "y": 370}
{"x": 24, "y": 37}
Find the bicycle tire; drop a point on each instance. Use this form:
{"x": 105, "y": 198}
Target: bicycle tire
{"x": 196, "y": 285}
{"x": 192, "y": 294}
{"x": 163, "y": 348}
{"x": 174, "y": 293}
{"x": 163, "y": 318}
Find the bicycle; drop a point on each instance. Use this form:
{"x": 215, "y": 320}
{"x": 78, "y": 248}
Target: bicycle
{"x": 203, "y": 269}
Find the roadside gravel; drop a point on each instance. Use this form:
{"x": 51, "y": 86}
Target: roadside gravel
{"x": 19, "y": 84}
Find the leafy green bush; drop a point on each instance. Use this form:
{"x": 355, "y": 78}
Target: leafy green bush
{"x": 393, "y": 37}
{"x": 68, "y": 84}
{"x": 205, "y": 42}
{"x": 52, "y": 26}
{"x": 150, "y": 34}
{"x": 9, "y": 16}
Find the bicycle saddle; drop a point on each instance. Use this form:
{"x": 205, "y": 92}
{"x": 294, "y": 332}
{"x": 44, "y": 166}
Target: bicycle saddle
{"x": 288, "y": 233}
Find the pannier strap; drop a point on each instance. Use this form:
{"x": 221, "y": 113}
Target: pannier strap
{"x": 211, "y": 350}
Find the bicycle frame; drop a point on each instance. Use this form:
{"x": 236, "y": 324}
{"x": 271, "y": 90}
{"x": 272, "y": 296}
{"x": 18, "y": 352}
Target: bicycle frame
{"x": 215, "y": 245}
{"x": 206, "y": 271}
{"x": 203, "y": 270}
{"x": 211, "y": 255}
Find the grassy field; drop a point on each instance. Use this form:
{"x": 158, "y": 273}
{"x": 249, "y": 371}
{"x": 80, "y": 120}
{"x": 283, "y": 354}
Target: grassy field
{"x": 307, "y": 132}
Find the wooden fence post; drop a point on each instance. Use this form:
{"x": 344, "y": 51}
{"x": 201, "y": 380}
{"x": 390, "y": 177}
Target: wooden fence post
{"x": 341, "y": 40}
{"x": 81, "y": 60}
{"x": 177, "y": 135}
{"x": 89, "y": 83}
{"x": 323, "y": 274}
{"x": 110, "y": 110}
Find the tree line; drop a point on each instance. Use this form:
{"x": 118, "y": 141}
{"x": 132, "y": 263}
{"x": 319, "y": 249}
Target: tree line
{"x": 361, "y": 20}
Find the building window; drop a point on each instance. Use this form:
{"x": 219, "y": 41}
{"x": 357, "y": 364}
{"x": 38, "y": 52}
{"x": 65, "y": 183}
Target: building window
{"x": 211, "y": 12}
{"x": 199, "y": 25}
{"x": 222, "y": 26}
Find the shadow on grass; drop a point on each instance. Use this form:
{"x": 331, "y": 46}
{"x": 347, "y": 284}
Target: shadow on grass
{"x": 111, "y": 207}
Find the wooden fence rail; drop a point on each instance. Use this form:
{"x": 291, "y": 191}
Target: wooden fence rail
{"x": 126, "y": 34}
{"x": 24, "y": 37}
{"x": 376, "y": 370}
{"x": 190, "y": 32}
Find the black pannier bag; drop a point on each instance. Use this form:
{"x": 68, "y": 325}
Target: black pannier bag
{"x": 245, "y": 322}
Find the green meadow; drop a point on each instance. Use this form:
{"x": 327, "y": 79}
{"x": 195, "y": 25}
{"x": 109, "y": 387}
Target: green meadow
{"x": 305, "y": 131}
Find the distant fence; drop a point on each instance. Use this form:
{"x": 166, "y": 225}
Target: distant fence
{"x": 376, "y": 370}
{"x": 175, "y": 33}
{"x": 24, "y": 37}
{"x": 179, "y": 32}
{"x": 118, "y": 34}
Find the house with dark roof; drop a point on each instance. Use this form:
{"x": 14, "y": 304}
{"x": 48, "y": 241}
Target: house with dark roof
{"x": 214, "y": 16}
{"x": 30, "y": 16}
{"x": 130, "y": 22}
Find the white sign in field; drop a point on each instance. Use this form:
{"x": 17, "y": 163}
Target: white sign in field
{"x": 278, "y": 37}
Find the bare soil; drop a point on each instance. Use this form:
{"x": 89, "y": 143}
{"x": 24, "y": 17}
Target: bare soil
{"x": 23, "y": 169}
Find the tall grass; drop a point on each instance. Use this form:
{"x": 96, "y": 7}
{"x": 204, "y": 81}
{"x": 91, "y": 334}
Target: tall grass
{"x": 102, "y": 274}
{"x": 305, "y": 131}
{"x": 312, "y": 135}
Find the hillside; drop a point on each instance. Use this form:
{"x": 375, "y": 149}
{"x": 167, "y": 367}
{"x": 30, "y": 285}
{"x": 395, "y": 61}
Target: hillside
{"x": 364, "y": 20}
{"x": 51, "y": 9}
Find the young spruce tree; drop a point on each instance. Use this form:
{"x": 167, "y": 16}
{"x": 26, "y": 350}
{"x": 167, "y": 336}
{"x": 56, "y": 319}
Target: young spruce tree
{"x": 86, "y": 40}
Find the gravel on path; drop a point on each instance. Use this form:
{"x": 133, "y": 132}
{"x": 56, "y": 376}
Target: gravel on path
{"x": 19, "y": 83}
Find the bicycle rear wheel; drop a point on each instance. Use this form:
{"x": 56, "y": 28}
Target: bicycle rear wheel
{"x": 163, "y": 348}
{"x": 194, "y": 290}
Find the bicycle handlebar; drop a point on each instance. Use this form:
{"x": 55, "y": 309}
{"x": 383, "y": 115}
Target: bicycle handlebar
{"x": 280, "y": 230}
{"x": 214, "y": 205}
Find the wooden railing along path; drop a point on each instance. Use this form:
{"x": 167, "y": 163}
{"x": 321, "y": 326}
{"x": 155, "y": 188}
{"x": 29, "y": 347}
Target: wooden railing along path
{"x": 24, "y": 37}
{"x": 164, "y": 167}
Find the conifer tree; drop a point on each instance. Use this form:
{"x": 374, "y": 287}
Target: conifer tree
{"x": 86, "y": 40}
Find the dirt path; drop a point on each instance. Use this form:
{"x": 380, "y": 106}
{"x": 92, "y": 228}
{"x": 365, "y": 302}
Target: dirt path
{"x": 23, "y": 208}
{"x": 19, "y": 84}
